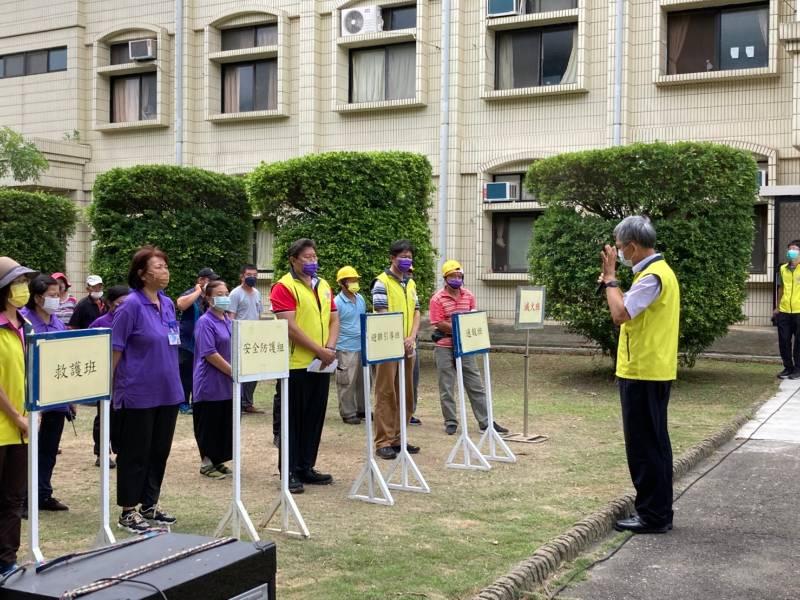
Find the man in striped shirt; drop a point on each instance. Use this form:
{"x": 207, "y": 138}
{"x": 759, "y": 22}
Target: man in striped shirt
{"x": 454, "y": 298}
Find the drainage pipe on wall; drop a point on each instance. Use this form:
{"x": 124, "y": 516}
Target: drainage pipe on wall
{"x": 618, "y": 50}
{"x": 444, "y": 134}
{"x": 179, "y": 54}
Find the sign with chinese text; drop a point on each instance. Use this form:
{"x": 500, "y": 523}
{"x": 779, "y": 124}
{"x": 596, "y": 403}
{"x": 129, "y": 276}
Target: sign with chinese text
{"x": 530, "y": 307}
{"x": 260, "y": 350}
{"x": 382, "y": 337}
{"x": 67, "y": 367}
{"x": 470, "y": 333}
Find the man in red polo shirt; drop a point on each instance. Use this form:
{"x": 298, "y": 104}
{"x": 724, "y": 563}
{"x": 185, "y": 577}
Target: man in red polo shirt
{"x": 454, "y": 298}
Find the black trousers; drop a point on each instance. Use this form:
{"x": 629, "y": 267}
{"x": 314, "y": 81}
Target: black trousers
{"x": 648, "y": 448}
{"x": 186, "y": 371}
{"x": 50, "y": 430}
{"x": 13, "y": 481}
{"x": 248, "y": 391}
{"x": 144, "y": 439}
{"x": 276, "y": 409}
{"x": 789, "y": 339}
{"x": 308, "y": 400}
{"x": 96, "y": 429}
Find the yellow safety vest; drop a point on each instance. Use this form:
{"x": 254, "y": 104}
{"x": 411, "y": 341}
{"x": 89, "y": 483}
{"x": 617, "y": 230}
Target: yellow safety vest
{"x": 12, "y": 380}
{"x": 312, "y": 315}
{"x": 790, "y": 281}
{"x": 648, "y": 343}
{"x": 401, "y": 299}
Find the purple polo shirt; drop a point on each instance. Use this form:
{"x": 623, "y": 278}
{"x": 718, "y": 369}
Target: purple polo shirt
{"x": 147, "y": 373}
{"x": 104, "y": 321}
{"x": 211, "y": 335}
{"x": 39, "y": 326}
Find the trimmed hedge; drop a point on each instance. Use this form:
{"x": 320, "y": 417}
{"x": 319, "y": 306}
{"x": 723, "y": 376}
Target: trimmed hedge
{"x": 353, "y": 205}
{"x": 34, "y": 228}
{"x": 199, "y": 218}
{"x": 698, "y": 195}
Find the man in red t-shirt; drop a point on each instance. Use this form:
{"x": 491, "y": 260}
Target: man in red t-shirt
{"x": 454, "y": 298}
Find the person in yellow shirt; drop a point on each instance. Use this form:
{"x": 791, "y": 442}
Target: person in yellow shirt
{"x": 14, "y": 294}
{"x": 394, "y": 290}
{"x": 787, "y": 313}
{"x": 647, "y": 362}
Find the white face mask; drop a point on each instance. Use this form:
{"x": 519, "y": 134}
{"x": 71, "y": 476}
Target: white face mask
{"x": 625, "y": 261}
{"x": 96, "y": 295}
{"x": 50, "y": 305}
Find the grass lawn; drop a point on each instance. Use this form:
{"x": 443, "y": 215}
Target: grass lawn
{"x": 472, "y": 527}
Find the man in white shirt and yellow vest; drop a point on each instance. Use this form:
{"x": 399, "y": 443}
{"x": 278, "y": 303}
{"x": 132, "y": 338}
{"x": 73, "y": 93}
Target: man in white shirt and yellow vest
{"x": 306, "y": 302}
{"x": 647, "y": 363}
{"x": 395, "y": 291}
{"x": 787, "y": 314}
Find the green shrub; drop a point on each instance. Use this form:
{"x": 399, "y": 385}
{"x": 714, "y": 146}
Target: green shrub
{"x": 34, "y": 228}
{"x": 699, "y": 197}
{"x": 199, "y": 218}
{"x": 353, "y": 205}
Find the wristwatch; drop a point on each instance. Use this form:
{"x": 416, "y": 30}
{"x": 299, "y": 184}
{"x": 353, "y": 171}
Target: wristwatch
{"x": 613, "y": 283}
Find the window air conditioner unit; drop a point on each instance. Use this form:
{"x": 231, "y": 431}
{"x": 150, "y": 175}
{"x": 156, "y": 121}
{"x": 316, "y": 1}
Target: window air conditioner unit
{"x": 142, "y": 49}
{"x": 500, "y": 191}
{"x": 502, "y": 8}
{"x": 761, "y": 177}
{"x": 365, "y": 19}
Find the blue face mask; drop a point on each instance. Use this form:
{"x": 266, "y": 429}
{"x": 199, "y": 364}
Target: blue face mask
{"x": 222, "y": 302}
{"x": 793, "y": 254}
{"x": 251, "y": 281}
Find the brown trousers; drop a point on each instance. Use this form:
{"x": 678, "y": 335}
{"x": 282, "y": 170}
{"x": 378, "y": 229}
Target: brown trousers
{"x": 387, "y": 406}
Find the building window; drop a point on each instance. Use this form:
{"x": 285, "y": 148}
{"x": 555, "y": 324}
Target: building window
{"x": 758, "y": 258}
{"x": 511, "y": 238}
{"x": 250, "y": 86}
{"x": 535, "y": 57}
{"x": 120, "y": 53}
{"x": 249, "y": 37}
{"x": 34, "y": 62}
{"x": 382, "y": 73}
{"x": 399, "y": 17}
{"x": 133, "y": 98}
{"x": 718, "y": 39}
{"x": 537, "y": 6}
{"x": 518, "y": 179}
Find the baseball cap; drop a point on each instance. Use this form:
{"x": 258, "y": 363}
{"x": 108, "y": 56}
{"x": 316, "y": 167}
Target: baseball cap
{"x": 94, "y": 280}
{"x": 11, "y": 269}
{"x": 208, "y": 272}
{"x": 63, "y": 277}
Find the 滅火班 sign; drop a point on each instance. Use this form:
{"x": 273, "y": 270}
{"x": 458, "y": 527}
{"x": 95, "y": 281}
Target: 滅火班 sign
{"x": 530, "y": 307}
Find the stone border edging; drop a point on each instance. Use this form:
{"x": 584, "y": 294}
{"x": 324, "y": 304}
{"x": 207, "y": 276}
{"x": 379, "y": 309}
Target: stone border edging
{"x": 547, "y": 558}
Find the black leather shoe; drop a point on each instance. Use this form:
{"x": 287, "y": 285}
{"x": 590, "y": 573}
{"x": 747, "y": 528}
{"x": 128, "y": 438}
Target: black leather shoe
{"x": 784, "y": 374}
{"x": 52, "y": 504}
{"x": 386, "y": 453}
{"x": 450, "y": 428}
{"x": 497, "y": 428}
{"x": 795, "y": 374}
{"x": 295, "y": 485}
{"x": 636, "y": 525}
{"x": 409, "y": 448}
{"x": 314, "y": 477}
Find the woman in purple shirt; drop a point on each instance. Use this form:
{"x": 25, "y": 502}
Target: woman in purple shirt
{"x": 41, "y": 311}
{"x": 147, "y": 390}
{"x": 212, "y": 390}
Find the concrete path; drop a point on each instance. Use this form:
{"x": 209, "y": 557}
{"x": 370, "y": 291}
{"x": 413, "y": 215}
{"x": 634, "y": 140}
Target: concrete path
{"x": 736, "y": 530}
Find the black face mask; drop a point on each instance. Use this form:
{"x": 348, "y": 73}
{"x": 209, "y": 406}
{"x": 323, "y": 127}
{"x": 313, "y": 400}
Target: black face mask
{"x": 251, "y": 281}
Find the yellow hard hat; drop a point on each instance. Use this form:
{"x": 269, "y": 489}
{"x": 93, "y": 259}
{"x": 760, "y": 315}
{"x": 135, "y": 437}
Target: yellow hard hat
{"x": 451, "y": 265}
{"x": 347, "y": 272}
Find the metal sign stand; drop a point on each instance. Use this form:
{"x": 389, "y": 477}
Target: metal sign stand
{"x": 237, "y": 514}
{"x": 470, "y": 455}
{"x": 284, "y": 503}
{"x": 370, "y": 473}
{"x": 404, "y": 464}
{"x": 34, "y": 551}
{"x": 490, "y": 437}
{"x": 524, "y": 437}
{"x": 104, "y": 536}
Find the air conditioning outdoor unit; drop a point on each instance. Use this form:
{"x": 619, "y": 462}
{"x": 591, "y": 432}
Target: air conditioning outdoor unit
{"x": 142, "y": 49}
{"x": 761, "y": 177}
{"x": 365, "y": 19}
{"x": 502, "y": 8}
{"x": 500, "y": 191}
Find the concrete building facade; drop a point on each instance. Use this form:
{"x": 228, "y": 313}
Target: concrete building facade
{"x": 230, "y": 84}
